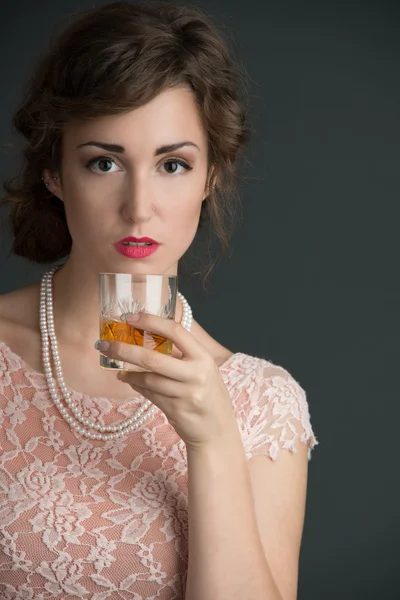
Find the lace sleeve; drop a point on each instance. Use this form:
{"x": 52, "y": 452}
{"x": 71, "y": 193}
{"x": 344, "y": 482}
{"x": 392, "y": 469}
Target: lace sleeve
{"x": 275, "y": 414}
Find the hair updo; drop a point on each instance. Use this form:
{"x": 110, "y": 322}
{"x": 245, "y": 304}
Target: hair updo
{"x": 108, "y": 61}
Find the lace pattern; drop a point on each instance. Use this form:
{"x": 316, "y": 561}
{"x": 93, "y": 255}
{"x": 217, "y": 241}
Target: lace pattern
{"x": 89, "y": 519}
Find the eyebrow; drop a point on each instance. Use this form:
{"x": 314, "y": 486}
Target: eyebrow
{"x": 120, "y": 149}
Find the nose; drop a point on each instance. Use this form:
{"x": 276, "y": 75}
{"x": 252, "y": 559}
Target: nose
{"x": 138, "y": 200}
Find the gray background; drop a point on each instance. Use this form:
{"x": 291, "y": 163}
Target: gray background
{"x": 313, "y": 280}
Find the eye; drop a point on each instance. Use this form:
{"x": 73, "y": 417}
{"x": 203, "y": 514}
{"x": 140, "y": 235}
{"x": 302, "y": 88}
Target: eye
{"x": 172, "y": 166}
{"x": 104, "y": 163}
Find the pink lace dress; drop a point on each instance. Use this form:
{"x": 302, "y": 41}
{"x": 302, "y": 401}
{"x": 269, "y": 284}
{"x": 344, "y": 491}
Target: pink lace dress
{"x": 97, "y": 520}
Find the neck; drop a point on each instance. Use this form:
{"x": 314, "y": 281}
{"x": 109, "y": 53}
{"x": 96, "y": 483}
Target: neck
{"x": 76, "y": 304}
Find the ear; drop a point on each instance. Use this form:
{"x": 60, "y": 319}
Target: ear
{"x": 208, "y": 187}
{"x": 52, "y": 181}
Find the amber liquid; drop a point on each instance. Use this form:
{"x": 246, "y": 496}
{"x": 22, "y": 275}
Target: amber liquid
{"x": 118, "y": 331}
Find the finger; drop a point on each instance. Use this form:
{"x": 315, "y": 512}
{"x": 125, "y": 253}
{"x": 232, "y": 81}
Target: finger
{"x": 150, "y": 360}
{"x": 156, "y": 399}
{"x": 175, "y": 352}
{"x": 183, "y": 340}
{"x": 152, "y": 383}
{"x": 161, "y": 400}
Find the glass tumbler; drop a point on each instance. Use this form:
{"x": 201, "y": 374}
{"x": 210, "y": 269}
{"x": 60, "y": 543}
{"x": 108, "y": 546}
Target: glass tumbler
{"x": 122, "y": 294}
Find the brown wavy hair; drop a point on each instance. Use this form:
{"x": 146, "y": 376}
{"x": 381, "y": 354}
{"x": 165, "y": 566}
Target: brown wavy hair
{"x": 108, "y": 61}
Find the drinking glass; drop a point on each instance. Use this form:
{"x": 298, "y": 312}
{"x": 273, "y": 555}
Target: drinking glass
{"x": 122, "y": 294}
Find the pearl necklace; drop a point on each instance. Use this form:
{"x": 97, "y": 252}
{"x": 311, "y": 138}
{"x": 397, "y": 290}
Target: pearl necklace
{"x": 78, "y": 422}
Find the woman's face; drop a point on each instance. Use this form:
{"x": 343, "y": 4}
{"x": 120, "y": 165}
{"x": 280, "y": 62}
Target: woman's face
{"x": 139, "y": 187}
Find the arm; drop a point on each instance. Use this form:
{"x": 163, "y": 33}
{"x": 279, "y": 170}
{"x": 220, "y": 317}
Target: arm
{"x": 226, "y": 556}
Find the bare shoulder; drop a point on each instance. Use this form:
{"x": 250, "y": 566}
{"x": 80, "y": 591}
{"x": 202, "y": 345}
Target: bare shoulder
{"x": 19, "y": 312}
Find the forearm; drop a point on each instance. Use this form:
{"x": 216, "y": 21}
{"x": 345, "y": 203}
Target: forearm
{"x": 226, "y": 557}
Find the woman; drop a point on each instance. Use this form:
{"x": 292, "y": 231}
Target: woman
{"x": 133, "y": 123}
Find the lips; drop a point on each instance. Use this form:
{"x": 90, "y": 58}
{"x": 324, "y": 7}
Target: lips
{"x": 129, "y": 247}
{"x": 137, "y": 240}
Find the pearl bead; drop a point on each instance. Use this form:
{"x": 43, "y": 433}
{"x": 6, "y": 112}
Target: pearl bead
{"x": 49, "y": 345}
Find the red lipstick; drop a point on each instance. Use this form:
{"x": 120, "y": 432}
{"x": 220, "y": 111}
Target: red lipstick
{"x": 133, "y": 247}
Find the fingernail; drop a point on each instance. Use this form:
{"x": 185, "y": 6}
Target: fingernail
{"x": 102, "y": 345}
{"x": 133, "y": 318}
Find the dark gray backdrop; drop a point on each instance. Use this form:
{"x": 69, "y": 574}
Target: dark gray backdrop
{"x": 316, "y": 259}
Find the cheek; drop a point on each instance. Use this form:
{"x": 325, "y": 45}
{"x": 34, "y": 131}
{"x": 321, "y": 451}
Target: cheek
{"x": 182, "y": 226}
{"x": 184, "y": 200}
{"x": 84, "y": 214}
{"x": 186, "y": 214}
{"x": 86, "y": 197}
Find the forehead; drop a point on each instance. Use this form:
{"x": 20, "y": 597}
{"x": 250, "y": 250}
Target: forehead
{"x": 171, "y": 116}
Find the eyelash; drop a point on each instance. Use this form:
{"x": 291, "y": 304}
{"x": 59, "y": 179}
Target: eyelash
{"x": 178, "y": 161}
